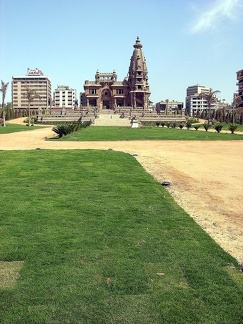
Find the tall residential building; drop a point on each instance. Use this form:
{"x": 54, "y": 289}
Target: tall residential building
{"x": 64, "y": 97}
{"x": 105, "y": 92}
{"x": 194, "y": 104}
{"x": 35, "y": 80}
{"x": 240, "y": 85}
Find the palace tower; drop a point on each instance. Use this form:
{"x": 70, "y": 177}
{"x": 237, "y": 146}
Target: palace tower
{"x": 138, "y": 78}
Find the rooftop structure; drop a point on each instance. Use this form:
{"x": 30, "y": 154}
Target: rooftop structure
{"x": 168, "y": 107}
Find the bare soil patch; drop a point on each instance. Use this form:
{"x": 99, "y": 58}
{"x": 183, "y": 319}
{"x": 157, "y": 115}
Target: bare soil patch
{"x": 206, "y": 177}
{"x": 9, "y": 273}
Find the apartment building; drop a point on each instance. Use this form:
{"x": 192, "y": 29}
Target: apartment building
{"x": 36, "y": 80}
{"x": 64, "y": 97}
{"x": 194, "y": 104}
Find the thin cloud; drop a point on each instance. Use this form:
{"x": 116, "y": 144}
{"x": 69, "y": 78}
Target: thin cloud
{"x": 219, "y": 11}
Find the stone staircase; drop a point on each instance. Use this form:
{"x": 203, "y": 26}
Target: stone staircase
{"x": 111, "y": 120}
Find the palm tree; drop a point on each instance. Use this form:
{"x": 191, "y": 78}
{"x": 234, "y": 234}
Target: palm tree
{"x": 235, "y": 104}
{"x": 4, "y": 87}
{"x": 31, "y": 95}
{"x": 210, "y": 98}
{"x": 166, "y": 106}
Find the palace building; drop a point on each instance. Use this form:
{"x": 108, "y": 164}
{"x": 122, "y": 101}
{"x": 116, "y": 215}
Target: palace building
{"x": 105, "y": 92}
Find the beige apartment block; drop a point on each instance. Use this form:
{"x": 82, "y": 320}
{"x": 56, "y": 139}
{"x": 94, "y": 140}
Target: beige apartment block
{"x": 34, "y": 79}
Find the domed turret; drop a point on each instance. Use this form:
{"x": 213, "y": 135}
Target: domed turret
{"x": 138, "y": 44}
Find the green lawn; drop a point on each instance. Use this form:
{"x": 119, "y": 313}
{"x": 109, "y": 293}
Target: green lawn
{"x": 97, "y": 240}
{"x": 110, "y": 133}
{"x": 12, "y": 128}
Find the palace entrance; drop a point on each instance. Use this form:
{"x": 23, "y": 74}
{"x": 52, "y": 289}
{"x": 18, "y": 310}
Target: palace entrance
{"x": 106, "y": 104}
{"x": 106, "y": 99}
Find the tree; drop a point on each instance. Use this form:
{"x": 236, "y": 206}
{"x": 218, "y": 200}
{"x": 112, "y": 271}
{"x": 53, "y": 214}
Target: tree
{"x": 4, "y": 87}
{"x": 235, "y": 104}
{"x": 31, "y": 95}
{"x": 210, "y": 98}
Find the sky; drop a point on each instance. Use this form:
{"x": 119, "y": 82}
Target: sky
{"x": 185, "y": 42}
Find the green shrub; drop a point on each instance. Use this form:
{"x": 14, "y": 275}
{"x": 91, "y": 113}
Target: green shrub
{"x": 188, "y": 124}
{"x": 32, "y": 121}
{"x": 196, "y": 127}
{"x": 206, "y": 127}
{"x": 162, "y": 124}
{"x": 218, "y": 127}
{"x": 85, "y": 124}
{"x": 60, "y": 130}
{"x": 65, "y": 129}
{"x": 167, "y": 124}
{"x": 181, "y": 125}
{"x": 232, "y": 128}
{"x": 193, "y": 120}
{"x": 174, "y": 125}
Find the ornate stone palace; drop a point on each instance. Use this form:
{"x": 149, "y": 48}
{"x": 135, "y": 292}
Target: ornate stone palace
{"x": 131, "y": 93}
{"x": 108, "y": 101}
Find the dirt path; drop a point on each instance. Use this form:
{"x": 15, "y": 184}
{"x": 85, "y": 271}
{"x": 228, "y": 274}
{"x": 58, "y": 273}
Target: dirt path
{"x": 206, "y": 177}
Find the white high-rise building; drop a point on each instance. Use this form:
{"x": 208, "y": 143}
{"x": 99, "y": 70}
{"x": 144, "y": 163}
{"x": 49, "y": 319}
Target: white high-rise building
{"x": 64, "y": 97}
{"x": 195, "y": 104}
{"x": 35, "y": 80}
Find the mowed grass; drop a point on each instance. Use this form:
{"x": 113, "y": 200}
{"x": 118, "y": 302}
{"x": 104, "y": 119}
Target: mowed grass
{"x": 13, "y": 128}
{"x": 97, "y": 240}
{"x": 113, "y": 133}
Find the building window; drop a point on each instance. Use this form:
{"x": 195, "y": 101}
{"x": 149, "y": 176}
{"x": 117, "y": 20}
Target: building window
{"x": 119, "y": 91}
{"x": 92, "y": 91}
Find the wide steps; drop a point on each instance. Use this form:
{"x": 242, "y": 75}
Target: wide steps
{"x": 111, "y": 120}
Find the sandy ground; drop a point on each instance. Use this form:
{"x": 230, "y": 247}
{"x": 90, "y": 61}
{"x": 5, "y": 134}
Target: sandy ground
{"x": 206, "y": 177}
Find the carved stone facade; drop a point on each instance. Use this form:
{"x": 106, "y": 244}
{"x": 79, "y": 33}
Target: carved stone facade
{"x": 133, "y": 92}
{"x": 240, "y": 85}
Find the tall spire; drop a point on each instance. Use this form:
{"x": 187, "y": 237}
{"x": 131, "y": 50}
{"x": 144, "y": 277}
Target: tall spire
{"x": 138, "y": 77}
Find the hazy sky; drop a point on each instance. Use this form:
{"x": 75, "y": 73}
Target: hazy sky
{"x": 185, "y": 42}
